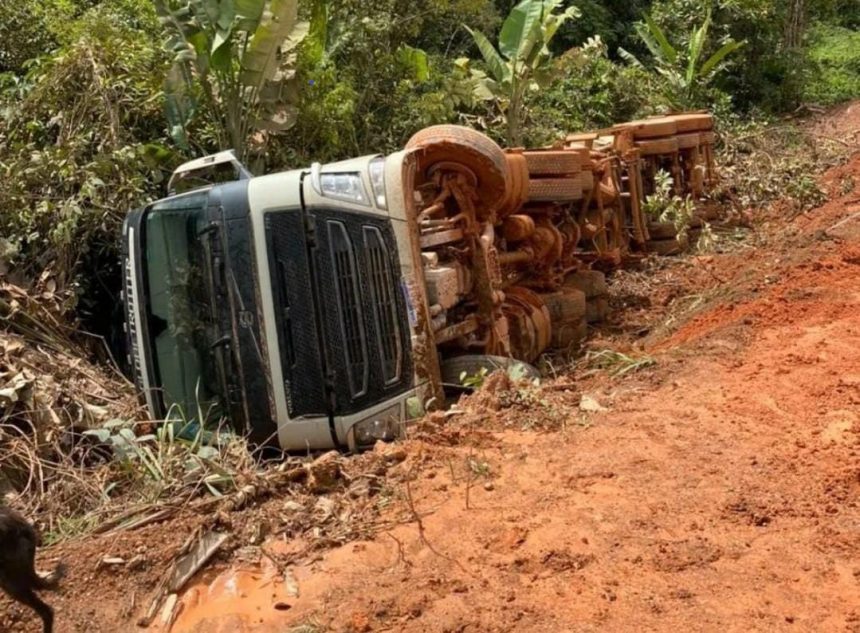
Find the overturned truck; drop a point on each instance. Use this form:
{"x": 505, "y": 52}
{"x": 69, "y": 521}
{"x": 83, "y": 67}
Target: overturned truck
{"x": 323, "y": 307}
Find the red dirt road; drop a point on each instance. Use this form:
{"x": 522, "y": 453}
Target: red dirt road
{"x": 718, "y": 491}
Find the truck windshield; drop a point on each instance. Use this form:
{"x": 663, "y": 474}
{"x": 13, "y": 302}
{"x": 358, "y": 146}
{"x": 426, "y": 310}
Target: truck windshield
{"x": 180, "y": 311}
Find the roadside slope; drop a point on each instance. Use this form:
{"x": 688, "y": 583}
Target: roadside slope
{"x": 719, "y": 491}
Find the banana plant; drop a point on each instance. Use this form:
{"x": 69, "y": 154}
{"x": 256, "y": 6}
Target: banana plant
{"x": 686, "y": 75}
{"x": 522, "y": 61}
{"x": 234, "y": 62}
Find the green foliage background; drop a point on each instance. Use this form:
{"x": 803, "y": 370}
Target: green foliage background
{"x": 83, "y": 138}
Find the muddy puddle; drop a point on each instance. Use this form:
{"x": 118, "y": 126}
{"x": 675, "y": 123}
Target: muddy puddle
{"x": 251, "y": 597}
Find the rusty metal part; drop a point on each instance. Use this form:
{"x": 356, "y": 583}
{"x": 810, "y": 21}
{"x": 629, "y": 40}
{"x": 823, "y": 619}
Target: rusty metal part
{"x": 517, "y": 228}
{"x": 574, "y": 140}
{"x": 467, "y": 326}
{"x": 510, "y": 258}
{"x": 425, "y": 354}
{"x": 629, "y": 180}
{"x": 529, "y": 322}
{"x": 461, "y": 145}
{"x": 547, "y": 242}
{"x": 441, "y": 170}
{"x": 432, "y": 240}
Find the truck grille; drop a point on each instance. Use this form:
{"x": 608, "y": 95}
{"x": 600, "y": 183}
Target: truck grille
{"x": 349, "y": 307}
{"x": 384, "y": 304}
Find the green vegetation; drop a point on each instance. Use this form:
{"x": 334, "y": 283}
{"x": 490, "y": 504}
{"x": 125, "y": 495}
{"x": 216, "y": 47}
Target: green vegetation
{"x": 835, "y": 57}
{"x": 234, "y": 64}
{"x": 100, "y": 99}
{"x": 686, "y": 76}
{"x": 522, "y": 62}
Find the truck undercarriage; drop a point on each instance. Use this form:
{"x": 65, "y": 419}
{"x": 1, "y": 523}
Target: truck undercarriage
{"x": 323, "y": 307}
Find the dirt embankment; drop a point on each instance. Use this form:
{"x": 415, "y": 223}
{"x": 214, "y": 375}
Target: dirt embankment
{"x": 717, "y": 489}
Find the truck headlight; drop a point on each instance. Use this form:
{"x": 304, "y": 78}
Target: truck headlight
{"x": 377, "y": 181}
{"x": 385, "y": 425}
{"x": 344, "y": 186}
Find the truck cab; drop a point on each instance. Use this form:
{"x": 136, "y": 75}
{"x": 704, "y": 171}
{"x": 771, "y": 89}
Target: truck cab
{"x": 284, "y": 303}
{"x": 323, "y": 307}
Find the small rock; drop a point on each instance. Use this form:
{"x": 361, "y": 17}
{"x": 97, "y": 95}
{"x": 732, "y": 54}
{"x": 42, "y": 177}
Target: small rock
{"x": 391, "y": 453}
{"x": 590, "y": 405}
{"x": 489, "y": 486}
{"x": 136, "y": 563}
{"x": 291, "y": 584}
{"x": 293, "y": 506}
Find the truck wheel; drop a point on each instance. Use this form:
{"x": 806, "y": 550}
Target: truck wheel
{"x": 693, "y": 122}
{"x": 518, "y": 185}
{"x": 553, "y": 162}
{"x": 591, "y": 282}
{"x": 555, "y": 189}
{"x": 471, "y": 364}
{"x": 467, "y": 147}
{"x": 568, "y": 336}
{"x": 658, "y": 146}
{"x": 586, "y": 177}
{"x": 687, "y": 141}
{"x": 565, "y": 306}
{"x": 662, "y": 231}
{"x": 597, "y": 309}
{"x": 657, "y": 127}
{"x": 664, "y": 247}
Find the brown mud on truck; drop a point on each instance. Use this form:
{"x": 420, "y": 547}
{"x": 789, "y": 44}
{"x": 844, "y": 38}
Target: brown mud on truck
{"x": 323, "y": 307}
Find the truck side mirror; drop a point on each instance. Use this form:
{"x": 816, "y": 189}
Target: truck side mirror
{"x": 209, "y": 170}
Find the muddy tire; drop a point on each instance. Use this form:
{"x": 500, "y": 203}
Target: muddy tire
{"x": 664, "y": 247}
{"x": 662, "y": 231}
{"x": 693, "y": 122}
{"x": 658, "y": 146}
{"x": 518, "y": 185}
{"x": 688, "y": 141}
{"x": 565, "y": 306}
{"x": 583, "y": 138}
{"x": 657, "y": 127}
{"x": 707, "y": 138}
{"x": 597, "y": 310}
{"x": 470, "y": 148}
{"x": 587, "y": 180}
{"x": 555, "y": 189}
{"x": 568, "y": 336}
{"x": 471, "y": 364}
{"x": 709, "y": 213}
{"x": 591, "y": 282}
{"x": 553, "y": 162}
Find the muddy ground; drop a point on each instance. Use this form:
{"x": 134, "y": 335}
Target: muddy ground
{"x": 717, "y": 488}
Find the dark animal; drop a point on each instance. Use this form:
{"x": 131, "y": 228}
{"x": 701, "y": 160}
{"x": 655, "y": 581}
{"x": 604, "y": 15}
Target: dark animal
{"x": 18, "y": 577}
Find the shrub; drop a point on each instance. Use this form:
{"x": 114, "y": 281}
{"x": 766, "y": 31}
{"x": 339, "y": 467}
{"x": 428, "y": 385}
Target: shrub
{"x": 592, "y": 92}
{"x": 72, "y": 151}
{"x": 835, "y": 57}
